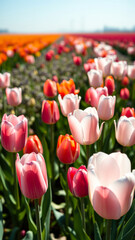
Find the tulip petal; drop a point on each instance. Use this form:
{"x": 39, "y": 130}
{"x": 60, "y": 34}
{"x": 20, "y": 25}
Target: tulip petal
{"x": 106, "y": 204}
{"x": 75, "y": 128}
{"x": 80, "y": 183}
{"x": 70, "y": 175}
{"x": 91, "y": 132}
{"x": 123, "y": 162}
{"x": 123, "y": 189}
{"x": 8, "y": 136}
{"x": 33, "y": 185}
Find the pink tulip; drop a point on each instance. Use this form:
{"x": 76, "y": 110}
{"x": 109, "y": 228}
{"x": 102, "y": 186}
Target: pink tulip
{"x": 92, "y": 95}
{"x": 14, "y": 96}
{"x": 103, "y": 64}
{"x": 95, "y": 78}
{"x": 106, "y": 107}
{"x": 13, "y": 132}
{"x": 111, "y": 184}
{"x": 131, "y": 71}
{"x": 124, "y": 93}
{"x": 125, "y": 131}
{"x": 78, "y": 181}
{"x": 69, "y": 103}
{"x": 30, "y": 59}
{"x": 119, "y": 69}
{"x": 4, "y": 80}
{"x": 50, "y": 112}
{"x": 84, "y": 125}
{"x": 32, "y": 175}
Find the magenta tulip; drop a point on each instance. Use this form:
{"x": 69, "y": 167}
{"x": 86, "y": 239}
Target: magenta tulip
{"x": 14, "y": 132}
{"x": 32, "y": 175}
{"x": 78, "y": 181}
{"x": 111, "y": 184}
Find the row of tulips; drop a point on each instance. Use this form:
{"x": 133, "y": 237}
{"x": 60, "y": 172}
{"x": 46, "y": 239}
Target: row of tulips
{"x": 99, "y": 171}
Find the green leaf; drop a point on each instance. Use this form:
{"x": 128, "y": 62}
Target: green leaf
{"x": 46, "y": 211}
{"x": 129, "y": 228}
{"x": 32, "y": 225}
{"x": 28, "y": 236}
{"x": 1, "y": 221}
{"x": 78, "y": 227}
{"x": 47, "y": 157}
{"x": 14, "y": 233}
{"x": 60, "y": 217}
{"x": 97, "y": 235}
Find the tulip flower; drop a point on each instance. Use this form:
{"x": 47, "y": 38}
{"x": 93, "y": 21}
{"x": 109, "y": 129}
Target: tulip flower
{"x": 84, "y": 125}
{"x": 69, "y": 103}
{"x": 50, "y": 112}
{"x": 68, "y": 150}
{"x": 103, "y": 64}
{"x": 95, "y": 78}
{"x": 125, "y": 81}
{"x": 33, "y": 144}
{"x": 119, "y": 69}
{"x": 92, "y": 95}
{"x": 131, "y": 71}
{"x": 78, "y": 181}
{"x": 50, "y": 88}
{"x": 4, "y": 80}
{"x": 14, "y": 96}
{"x": 109, "y": 83}
{"x": 106, "y": 107}
{"x": 66, "y": 87}
{"x": 29, "y": 59}
{"x": 124, "y": 93}
{"x": 77, "y": 60}
{"x": 128, "y": 112}
{"x": 13, "y": 132}
{"x": 110, "y": 184}
{"x": 32, "y": 175}
{"x": 125, "y": 131}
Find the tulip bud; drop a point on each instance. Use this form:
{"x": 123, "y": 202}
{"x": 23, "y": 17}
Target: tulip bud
{"x": 50, "y": 88}
{"x": 109, "y": 83}
{"x": 124, "y": 93}
{"x": 33, "y": 144}
{"x": 50, "y": 112}
{"x": 78, "y": 181}
{"x": 77, "y": 60}
{"x": 68, "y": 150}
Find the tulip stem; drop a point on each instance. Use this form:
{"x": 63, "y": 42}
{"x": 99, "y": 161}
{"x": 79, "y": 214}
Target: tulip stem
{"x": 52, "y": 150}
{"x": 108, "y": 229}
{"x": 38, "y": 222}
{"x": 16, "y": 189}
{"x": 67, "y": 201}
{"x": 3, "y": 96}
{"x": 88, "y": 151}
{"x": 83, "y": 213}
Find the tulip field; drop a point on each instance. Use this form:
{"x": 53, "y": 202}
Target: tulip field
{"x": 67, "y": 151}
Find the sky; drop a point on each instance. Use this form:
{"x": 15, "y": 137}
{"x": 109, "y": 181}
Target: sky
{"x": 59, "y": 16}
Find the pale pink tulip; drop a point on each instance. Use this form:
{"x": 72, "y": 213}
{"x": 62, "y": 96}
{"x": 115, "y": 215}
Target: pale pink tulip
{"x": 103, "y": 64}
{"x": 106, "y": 106}
{"x": 84, "y": 125}
{"x": 14, "y": 96}
{"x": 92, "y": 95}
{"x": 119, "y": 69}
{"x": 4, "y": 80}
{"x": 110, "y": 184}
{"x": 95, "y": 78}
{"x": 32, "y": 175}
{"x": 14, "y": 132}
{"x": 69, "y": 103}
{"x": 125, "y": 131}
{"x": 131, "y": 71}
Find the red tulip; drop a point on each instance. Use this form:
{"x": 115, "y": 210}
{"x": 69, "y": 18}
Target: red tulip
{"x": 125, "y": 81}
{"x": 13, "y": 132}
{"x": 32, "y": 175}
{"x": 50, "y": 88}
{"x": 78, "y": 181}
{"x": 77, "y": 60}
{"x": 33, "y": 144}
{"x": 109, "y": 83}
{"x": 68, "y": 150}
{"x": 124, "y": 93}
{"x": 50, "y": 112}
{"x": 128, "y": 112}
